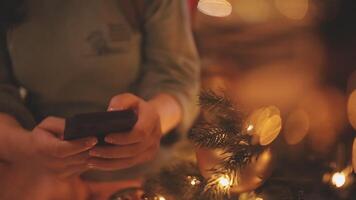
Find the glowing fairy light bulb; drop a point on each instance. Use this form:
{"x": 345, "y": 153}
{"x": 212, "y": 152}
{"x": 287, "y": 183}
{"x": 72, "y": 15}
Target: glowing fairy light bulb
{"x": 193, "y": 180}
{"x": 224, "y": 181}
{"x": 338, "y": 179}
{"x": 250, "y": 128}
{"x": 216, "y": 8}
{"x": 161, "y": 198}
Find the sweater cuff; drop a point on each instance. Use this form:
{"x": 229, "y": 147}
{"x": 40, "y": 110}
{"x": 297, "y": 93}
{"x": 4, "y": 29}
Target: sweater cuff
{"x": 14, "y": 107}
{"x": 188, "y": 103}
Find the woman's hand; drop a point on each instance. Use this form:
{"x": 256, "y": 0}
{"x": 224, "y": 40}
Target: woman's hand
{"x": 63, "y": 158}
{"x": 138, "y": 146}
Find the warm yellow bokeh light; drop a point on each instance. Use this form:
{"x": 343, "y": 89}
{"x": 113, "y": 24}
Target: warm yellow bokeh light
{"x": 351, "y": 109}
{"x": 252, "y": 11}
{"x": 161, "y": 198}
{"x": 293, "y": 9}
{"x": 224, "y": 181}
{"x": 266, "y": 123}
{"x": 250, "y": 128}
{"x": 338, "y": 179}
{"x": 325, "y": 109}
{"x": 296, "y": 127}
{"x": 215, "y": 8}
{"x": 270, "y": 130}
{"x": 194, "y": 181}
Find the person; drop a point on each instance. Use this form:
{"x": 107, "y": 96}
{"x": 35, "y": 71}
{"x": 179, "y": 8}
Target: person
{"x": 62, "y": 58}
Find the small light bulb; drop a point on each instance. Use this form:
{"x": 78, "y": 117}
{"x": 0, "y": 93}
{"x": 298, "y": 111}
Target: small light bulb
{"x": 338, "y": 179}
{"x": 193, "y": 180}
{"x": 224, "y": 181}
{"x": 161, "y": 198}
{"x": 250, "y": 128}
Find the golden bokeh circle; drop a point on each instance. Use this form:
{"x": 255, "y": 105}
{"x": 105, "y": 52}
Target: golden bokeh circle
{"x": 296, "y": 126}
{"x": 351, "y": 109}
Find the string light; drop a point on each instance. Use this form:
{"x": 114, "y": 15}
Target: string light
{"x": 193, "y": 180}
{"x": 220, "y": 184}
{"x": 156, "y": 197}
{"x": 250, "y": 128}
{"x": 338, "y": 179}
{"x": 216, "y": 8}
{"x": 224, "y": 181}
{"x": 160, "y": 198}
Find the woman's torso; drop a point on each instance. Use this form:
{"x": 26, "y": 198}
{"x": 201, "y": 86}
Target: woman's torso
{"x": 74, "y": 55}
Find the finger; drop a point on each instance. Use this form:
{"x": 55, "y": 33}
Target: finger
{"x": 117, "y": 164}
{"x": 71, "y": 171}
{"x": 123, "y": 101}
{"x": 78, "y": 159}
{"x": 53, "y": 125}
{"x": 62, "y": 163}
{"x": 65, "y": 149}
{"x": 141, "y": 131}
{"x": 126, "y": 151}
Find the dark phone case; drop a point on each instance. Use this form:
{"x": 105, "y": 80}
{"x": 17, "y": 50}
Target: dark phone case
{"x": 99, "y": 124}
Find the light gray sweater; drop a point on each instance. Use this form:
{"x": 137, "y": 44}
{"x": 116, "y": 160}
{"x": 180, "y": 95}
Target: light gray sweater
{"x": 74, "y": 55}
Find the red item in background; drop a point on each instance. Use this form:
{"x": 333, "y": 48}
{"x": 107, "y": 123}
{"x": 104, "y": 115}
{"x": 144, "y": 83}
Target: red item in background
{"x": 193, "y": 6}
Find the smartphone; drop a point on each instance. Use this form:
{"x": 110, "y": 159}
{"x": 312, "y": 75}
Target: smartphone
{"x": 99, "y": 124}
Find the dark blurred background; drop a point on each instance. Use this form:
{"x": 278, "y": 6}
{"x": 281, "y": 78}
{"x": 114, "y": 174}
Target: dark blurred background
{"x": 299, "y": 55}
